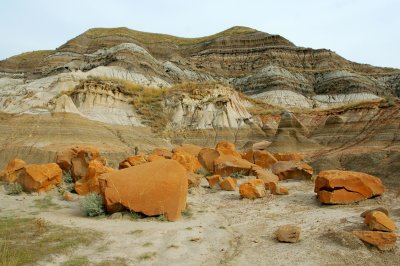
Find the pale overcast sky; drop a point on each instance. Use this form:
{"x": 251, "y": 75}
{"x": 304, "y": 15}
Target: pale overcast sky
{"x": 365, "y": 31}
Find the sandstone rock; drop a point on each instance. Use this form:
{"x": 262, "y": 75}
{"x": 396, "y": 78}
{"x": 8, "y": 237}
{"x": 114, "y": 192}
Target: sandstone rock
{"x": 214, "y": 180}
{"x": 292, "y": 170}
{"x": 378, "y": 221}
{"x": 154, "y": 188}
{"x": 10, "y": 172}
{"x": 381, "y": 209}
{"x": 162, "y": 152}
{"x": 382, "y": 240}
{"x": 260, "y": 158}
{"x": 40, "y": 177}
{"x": 154, "y": 157}
{"x": 252, "y": 189}
{"x": 90, "y": 182}
{"x": 228, "y": 184}
{"x": 194, "y": 180}
{"x": 270, "y": 180}
{"x": 289, "y": 156}
{"x": 262, "y": 145}
{"x": 206, "y": 158}
{"x": 226, "y": 165}
{"x": 76, "y": 160}
{"x": 277, "y": 189}
{"x": 116, "y": 216}
{"x": 288, "y": 233}
{"x": 132, "y": 161}
{"x": 187, "y": 160}
{"x": 227, "y": 148}
{"x": 342, "y": 187}
{"x": 189, "y": 148}
{"x": 68, "y": 196}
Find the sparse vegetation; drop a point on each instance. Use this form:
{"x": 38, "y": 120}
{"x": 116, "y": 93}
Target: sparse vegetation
{"x": 21, "y": 243}
{"x": 13, "y": 189}
{"x": 92, "y": 205}
{"x": 188, "y": 212}
{"x": 77, "y": 261}
{"x": 238, "y": 175}
{"x": 46, "y": 203}
{"x": 204, "y": 172}
{"x": 147, "y": 244}
{"x": 136, "y": 232}
{"x": 147, "y": 255}
{"x": 162, "y": 218}
{"x": 135, "y": 215}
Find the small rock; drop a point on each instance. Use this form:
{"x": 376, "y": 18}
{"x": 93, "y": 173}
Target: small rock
{"x": 381, "y": 209}
{"x": 382, "y": 240}
{"x": 277, "y": 189}
{"x": 379, "y": 221}
{"x": 116, "y": 216}
{"x": 213, "y": 180}
{"x": 68, "y": 196}
{"x": 288, "y": 233}
{"x": 228, "y": 184}
{"x": 252, "y": 189}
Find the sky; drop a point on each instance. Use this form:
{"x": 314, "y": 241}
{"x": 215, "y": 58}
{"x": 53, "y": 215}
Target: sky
{"x": 364, "y": 31}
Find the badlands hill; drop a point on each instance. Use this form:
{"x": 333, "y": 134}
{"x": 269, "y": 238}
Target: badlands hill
{"x": 119, "y": 89}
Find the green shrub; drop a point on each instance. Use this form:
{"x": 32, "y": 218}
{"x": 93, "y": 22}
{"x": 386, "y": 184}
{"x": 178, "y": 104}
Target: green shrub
{"x": 238, "y": 174}
{"x": 14, "y": 189}
{"x": 67, "y": 178}
{"x": 92, "y": 205}
{"x": 204, "y": 172}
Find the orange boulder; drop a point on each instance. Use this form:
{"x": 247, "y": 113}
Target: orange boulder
{"x": 153, "y": 188}
{"x": 382, "y": 240}
{"x": 252, "y": 189}
{"x": 90, "y": 182}
{"x": 227, "y": 148}
{"x": 12, "y": 169}
{"x": 342, "y": 187}
{"x": 213, "y": 180}
{"x": 132, "y": 161}
{"x": 154, "y": 157}
{"x": 162, "y": 152}
{"x": 270, "y": 180}
{"x": 228, "y": 184}
{"x": 277, "y": 189}
{"x": 187, "y": 160}
{"x": 40, "y": 177}
{"x": 379, "y": 221}
{"x": 76, "y": 160}
{"x": 286, "y": 156}
{"x": 226, "y": 165}
{"x": 206, "y": 158}
{"x": 292, "y": 170}
{"x": 260, "y": 158}
{"x": 189, "y": 148}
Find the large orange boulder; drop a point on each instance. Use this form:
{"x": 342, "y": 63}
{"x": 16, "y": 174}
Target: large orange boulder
{"x": 189, "y": 148}
{"x": 167, "y": 154}
{"x": 40, "y": 177}
{"x": 76, "y": 160}
{"x": 289, "y": 156}
{"x": 252, "y": 189}
{"x": 379, "y": 221}
{"x": 342, "y": 187}
{"x": 260, "y": 158}
{"x": 187, "y": 160}
{"x": 90, "y": 182}
{"x": 10, "y": 172}
{"x": 226, "y": 165}
{"x": 132, "y": 161}
{"x": 227, "y": 148}
{"x": 292, "y": 170}
{"x": 206, "y": 158}
{"x": 153, "y": 188}
{"x": 382, "y": 240}
{"x": 270, "y": 180}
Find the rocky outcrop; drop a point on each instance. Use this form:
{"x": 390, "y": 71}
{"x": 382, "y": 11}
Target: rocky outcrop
{"x": 40, "y": 178}
{"x": 382, "y": 240}
{"x": 154, "y": 188}
{"x": 342, "y": 187}
{"x": 10, "y": 172}
{"x": 252, "y": 189}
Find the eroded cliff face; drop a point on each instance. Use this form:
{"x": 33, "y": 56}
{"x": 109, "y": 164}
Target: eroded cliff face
{"x": 341, "y": 114}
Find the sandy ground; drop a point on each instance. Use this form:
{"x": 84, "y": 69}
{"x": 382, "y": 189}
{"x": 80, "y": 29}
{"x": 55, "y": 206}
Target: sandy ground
{"x": 225, "y": 230}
